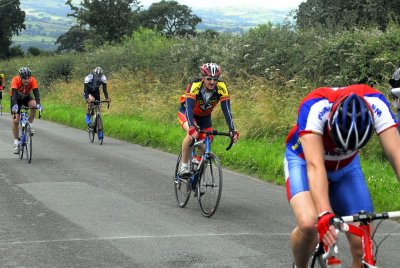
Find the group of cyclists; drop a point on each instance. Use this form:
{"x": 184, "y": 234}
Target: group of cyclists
{"x": 24, "y": 85}
{"x": 323, "y": 175}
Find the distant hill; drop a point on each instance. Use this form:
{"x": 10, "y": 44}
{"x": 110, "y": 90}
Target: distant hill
{"x": 46, "y": 20}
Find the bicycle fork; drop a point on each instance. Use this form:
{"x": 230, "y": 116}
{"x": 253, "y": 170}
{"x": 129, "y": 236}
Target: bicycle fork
{"x": 364, "y": 232}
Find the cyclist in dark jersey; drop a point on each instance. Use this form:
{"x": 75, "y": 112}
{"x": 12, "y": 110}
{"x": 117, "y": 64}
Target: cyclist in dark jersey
{"x": 202, "y": 95}
{"x": 91, "y": 89}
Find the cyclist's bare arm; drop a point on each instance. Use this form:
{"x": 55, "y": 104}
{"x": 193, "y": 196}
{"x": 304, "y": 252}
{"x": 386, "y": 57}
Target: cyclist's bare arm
{"x": 390, "y": 140}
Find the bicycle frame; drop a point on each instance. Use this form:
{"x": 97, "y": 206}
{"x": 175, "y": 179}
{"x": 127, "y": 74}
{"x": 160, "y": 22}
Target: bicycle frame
{"x": 364, "y": 232}
{"x": 206, "y": 155}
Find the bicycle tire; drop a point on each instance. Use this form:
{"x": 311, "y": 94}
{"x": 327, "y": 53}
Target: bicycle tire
{"x": 100, "y": 133}
{"x": 21, "y": 143}
{"x": 209, "y": 187}
{"x": 316, "y": 260}
{"x": 28, "y": 143}
{"x": 1, "y": 109}
{"x": 91, "y": 128}
{"x": 181, "y": 186}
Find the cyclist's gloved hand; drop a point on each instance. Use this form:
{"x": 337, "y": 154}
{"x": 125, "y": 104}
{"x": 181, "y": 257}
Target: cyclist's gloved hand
{"x": 14, "y": 109}
{"x": 324, "y": 221}
{"x": 234, "y": 134}
{"x": 193, "y": 132}
{"x": 39, "y": 107}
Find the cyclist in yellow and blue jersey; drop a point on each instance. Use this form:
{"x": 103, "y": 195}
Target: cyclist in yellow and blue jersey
{"x": 202, "y": 95}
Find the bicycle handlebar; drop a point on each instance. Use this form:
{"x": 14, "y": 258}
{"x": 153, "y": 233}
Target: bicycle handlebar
{"x": 213, "y": 132}
{"x": 363, "y": 217}
{"x": 369, "y": 217}
{"x": 26, "y": 108}
{"x": 97, "y": 102}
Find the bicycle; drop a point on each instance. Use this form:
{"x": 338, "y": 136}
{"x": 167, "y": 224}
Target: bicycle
{"x": 205, "y": 177}
{"x": 25, "y": 133}
{"x": 96, "y": 122}
{"x": 369, "y": 259}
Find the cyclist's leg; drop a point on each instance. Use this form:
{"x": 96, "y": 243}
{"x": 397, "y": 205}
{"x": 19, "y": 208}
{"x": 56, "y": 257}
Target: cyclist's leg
{"x": 349, "y": 194}
{"x": 28, "y": 101}
{"x": 90, "y": 105}
{"x": 204, "y": 124}
{"x": 15, "y": 122}
{"x": 304, "y": 236}
{"x": 186, "y": 149}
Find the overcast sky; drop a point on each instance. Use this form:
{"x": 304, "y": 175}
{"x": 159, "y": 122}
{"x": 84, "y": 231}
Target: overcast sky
{"x": 274, "y": 4}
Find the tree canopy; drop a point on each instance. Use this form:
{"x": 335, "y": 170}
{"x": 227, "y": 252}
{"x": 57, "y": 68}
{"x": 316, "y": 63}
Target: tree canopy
{"x": 105, "y": 20}
{"x": 170, "y": 18}
{"x": 12, "y": 22}
{"x": 347, "y": 14}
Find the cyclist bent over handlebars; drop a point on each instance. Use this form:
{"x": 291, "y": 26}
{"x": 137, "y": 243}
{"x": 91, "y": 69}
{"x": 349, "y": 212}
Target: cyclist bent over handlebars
{"x": 21, "y": 87}
{"x": 323, "y": 174}
{"x": 202, "y": 95}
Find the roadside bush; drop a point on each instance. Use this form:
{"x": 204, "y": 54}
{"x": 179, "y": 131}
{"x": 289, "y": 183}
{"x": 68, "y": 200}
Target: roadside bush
{"x": 57, "y": 68}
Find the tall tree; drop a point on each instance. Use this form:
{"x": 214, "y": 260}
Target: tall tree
{"x": 170, "y": 18}
{"x": 73, "y": 39}
{"x": 106, "y": 20}
{"x": 12, "y": 22}
{"x": 347, "y": 14}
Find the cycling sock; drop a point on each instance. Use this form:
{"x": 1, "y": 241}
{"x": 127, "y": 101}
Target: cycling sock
{"x": 16, "y": 141}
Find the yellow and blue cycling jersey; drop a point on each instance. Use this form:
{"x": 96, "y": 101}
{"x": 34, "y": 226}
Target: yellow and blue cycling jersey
{"x": 197, "y": 102}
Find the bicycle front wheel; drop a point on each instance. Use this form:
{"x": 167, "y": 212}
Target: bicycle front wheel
{"x": 91, "y": 128}
{"x": 181, "y": 186}
{"x": 21, "y": 145}
{"x": 28, "y": 143}
{"x": 316, "y": 260}
{"x": 209, "y": 187}
{"x": 99, "y": 126}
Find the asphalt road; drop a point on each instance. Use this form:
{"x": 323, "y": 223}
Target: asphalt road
{"x": 80, "y": 204}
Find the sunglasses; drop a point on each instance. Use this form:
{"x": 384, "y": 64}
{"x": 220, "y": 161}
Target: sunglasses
{"x": 212, "y": 78}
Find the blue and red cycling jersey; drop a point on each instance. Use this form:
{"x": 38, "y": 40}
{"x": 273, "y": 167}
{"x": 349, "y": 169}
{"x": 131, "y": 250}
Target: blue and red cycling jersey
{"x": 313, "y": 117}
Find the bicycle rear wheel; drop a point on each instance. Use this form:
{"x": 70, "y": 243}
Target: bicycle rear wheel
{"x": 100, "y": 132}
{"x": 181, "y": 186}
{"x": 28, "y": 143}
{"x": 209, "y": 188}
{"x": 91, "y": 129}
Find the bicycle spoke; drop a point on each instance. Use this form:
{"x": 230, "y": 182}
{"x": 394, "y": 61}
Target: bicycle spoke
{"x": 210, "y": 186}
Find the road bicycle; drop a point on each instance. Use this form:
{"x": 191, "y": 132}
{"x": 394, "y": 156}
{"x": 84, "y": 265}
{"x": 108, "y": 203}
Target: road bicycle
{"x": 369, "y": 245}
{"x": 205, "y": 177}
{"x": 25, "y": 134}
{"x": 96, "y": 122}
